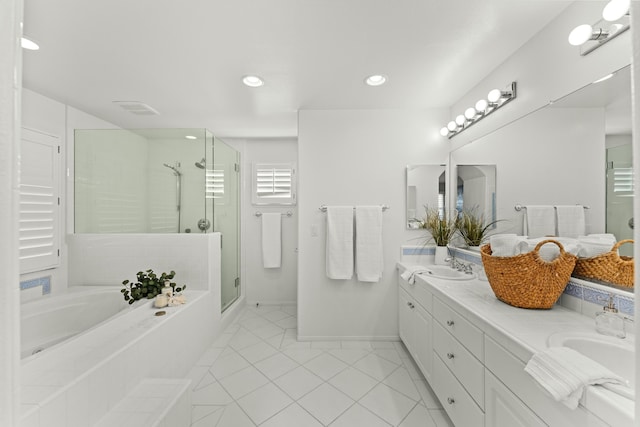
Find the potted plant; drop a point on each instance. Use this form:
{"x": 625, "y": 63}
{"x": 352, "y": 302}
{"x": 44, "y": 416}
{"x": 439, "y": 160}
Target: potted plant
{"x": 441, "y": 229}
{"x": 473, "y": 228}
{"x": 148, "y": 285}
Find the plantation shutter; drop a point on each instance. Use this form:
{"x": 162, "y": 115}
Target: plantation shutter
{"x": 274, "y": 184}
{"x": 39, "y": 201}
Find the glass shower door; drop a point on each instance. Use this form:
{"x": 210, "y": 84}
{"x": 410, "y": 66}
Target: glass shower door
{"x": 224, "y": 180}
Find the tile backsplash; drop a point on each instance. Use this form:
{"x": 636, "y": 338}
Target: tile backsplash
{"x": 580, "y": 295}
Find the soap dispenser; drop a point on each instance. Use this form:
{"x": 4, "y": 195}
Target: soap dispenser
{"x": 609, "y": 322}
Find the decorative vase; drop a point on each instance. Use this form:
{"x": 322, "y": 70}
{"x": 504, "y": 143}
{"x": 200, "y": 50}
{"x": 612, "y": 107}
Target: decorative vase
{"x": 441, "y": 255}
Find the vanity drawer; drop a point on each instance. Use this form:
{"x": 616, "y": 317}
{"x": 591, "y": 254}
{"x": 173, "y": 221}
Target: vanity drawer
{"x": 510, "y": 370}
{"x": 459, "y": 405}
{"x": 423, "y": 296}
{"x": 470, "y": 336}
{"x": 467, "y": 369}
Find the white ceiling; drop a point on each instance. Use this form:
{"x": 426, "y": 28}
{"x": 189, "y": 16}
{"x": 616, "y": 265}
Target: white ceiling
{"x": 186, "y": 58}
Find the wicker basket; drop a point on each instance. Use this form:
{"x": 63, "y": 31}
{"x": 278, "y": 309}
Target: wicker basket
{"x": 608, "y": 267}
{"x": 526, "y": 280}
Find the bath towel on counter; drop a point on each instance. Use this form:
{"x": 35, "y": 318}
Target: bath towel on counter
{"x": 565, "y": 374}
{"x": 410, "y": 273}
{"x": 339, "y": 242}
{"x": 571, "y": 221}
{"x": 369, "y": 264}
{"x": 271, "y": 240}
{"x": 539, "y": 221}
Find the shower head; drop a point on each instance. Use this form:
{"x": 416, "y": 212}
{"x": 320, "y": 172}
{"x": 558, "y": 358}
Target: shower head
{"x": 175, "y": 170}
{"x": 201, "y": 164}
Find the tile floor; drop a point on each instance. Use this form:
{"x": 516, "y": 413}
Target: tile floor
{"x": 258, "y": 374}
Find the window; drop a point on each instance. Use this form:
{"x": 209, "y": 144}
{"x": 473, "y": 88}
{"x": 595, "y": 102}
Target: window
{"x": 39, "y": 202}
{"x": 274, "y": 184}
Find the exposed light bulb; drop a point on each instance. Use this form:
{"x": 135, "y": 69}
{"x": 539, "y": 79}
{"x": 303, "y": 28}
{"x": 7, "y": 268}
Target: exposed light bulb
{"x": 460, "y": 120}
{"x": 444, "y": 131}
{"x": 580, "y": 34}
{"x": 481, "y": 106}
{"x": 494, "y": 96}
{"x": 615, "y": 10}
{"x": 452, "y": 126}
{"x": 470, "y": 113}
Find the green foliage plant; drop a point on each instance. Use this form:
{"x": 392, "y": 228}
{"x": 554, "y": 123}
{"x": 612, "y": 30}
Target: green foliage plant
{"x": 441, "y": 229}
{"x": 148, "y": 285}
{"x": 472, "y": 227}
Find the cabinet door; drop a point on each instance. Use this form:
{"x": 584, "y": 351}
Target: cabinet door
{"x": 503, "y": 408}
{"x": 405, "y": 319}
{"x": 423, "y": 340}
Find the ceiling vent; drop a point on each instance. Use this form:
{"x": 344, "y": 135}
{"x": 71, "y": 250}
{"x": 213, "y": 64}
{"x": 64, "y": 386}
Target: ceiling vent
{"x": 137, "y": 108}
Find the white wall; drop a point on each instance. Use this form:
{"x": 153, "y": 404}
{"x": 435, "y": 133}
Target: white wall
{"x": 357, "y": 157}
{"x": 10, "y": 96}
{"x": 545, "y": 159}
{"x": 266, "y": 285}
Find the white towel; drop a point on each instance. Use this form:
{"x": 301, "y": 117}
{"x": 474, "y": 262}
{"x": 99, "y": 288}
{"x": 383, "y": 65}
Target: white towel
{"x": 271, "y": 240}
{"x": 595, "y": 244}
{"x": 539, "y": 221}
{"x": 369, "y": 264}
{"x": 505, "y": 245}
{"x": 410, "y": 273}
{"x": 571, "y": 222}
{"x": 565, "y": 373}
{"x": 339, "y": 242}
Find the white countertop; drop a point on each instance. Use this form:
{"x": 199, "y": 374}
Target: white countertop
{"x": 523, "y": 332}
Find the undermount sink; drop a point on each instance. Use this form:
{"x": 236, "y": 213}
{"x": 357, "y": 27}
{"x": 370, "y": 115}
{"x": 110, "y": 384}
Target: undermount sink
{"x": 615, "y": 354}
{"x": 445, "y": 272}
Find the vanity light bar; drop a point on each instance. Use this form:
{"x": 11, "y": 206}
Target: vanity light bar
{"x": 496, "y": 99}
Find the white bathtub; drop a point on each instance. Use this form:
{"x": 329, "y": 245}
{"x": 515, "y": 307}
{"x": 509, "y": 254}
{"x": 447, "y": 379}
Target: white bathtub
{"x": 54, "y": 319}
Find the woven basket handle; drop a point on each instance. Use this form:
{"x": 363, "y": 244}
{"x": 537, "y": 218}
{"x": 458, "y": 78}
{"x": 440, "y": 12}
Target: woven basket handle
{"x": 620, "y": 243}
{"x": 539, "y": 245}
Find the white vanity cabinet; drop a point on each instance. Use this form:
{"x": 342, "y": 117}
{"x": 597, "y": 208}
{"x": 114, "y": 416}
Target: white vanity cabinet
{"x": 458, "y": 371}
{"x": 503, "y": 408}
{"x": 415, "y": 324}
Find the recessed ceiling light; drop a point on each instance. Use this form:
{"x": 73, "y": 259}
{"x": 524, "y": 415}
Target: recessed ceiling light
{"x": 29, "y": 44}
{"x": 191, "y": 137}
{"x": 376, "y": 80}
{"x": 252, "y": 81}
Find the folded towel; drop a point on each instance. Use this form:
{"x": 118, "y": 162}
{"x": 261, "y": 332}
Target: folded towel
{"x": 271, "y": 240}
{"x": 571, "y": 221}
{"x": 565, "y": 373}
{"x": 339, "y": 261}
{"x": 539, "y": 221}
{"x": 550, "y": 251}
{"x": 595, "y": 244}
{"x": 505, "y": 245}
{"x": 410, "y": 273}
{"x": 369, "y": 264}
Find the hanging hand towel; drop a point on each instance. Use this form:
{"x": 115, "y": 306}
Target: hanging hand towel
{"x": 571, "y": 222}
{"x": 565, "y": 373}
{"x": 539, "y": 221}
{"x": 369, "y": 263}
{"x": 271, "y": 240}
{"x": 339, "y": 242}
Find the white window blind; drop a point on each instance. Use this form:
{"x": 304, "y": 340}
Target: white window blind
{"x": 623, "y": 180}
{"x": 274, "y": 184}
{"x": 39, "y": 228}
{"x": 215, "y": 182}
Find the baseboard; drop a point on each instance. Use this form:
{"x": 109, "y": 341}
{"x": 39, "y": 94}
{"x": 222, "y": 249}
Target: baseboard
{"x": 348, "y": 338}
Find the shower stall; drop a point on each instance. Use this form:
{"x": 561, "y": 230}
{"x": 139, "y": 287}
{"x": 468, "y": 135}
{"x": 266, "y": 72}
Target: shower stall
{"x": 160, "y": 181}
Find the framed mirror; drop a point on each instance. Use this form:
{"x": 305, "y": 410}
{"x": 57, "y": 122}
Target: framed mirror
{"x": 425, "y": 186}
{"x": 555, "y": 156}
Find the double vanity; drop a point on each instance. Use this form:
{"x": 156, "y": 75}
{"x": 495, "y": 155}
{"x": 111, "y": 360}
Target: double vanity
{"x": 473, "y": 348}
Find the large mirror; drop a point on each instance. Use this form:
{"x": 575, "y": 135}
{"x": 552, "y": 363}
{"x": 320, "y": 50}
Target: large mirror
{"x": 426, "y": 186}
{"x": 556, "y": 156}
{"x": 476, "y": 190}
